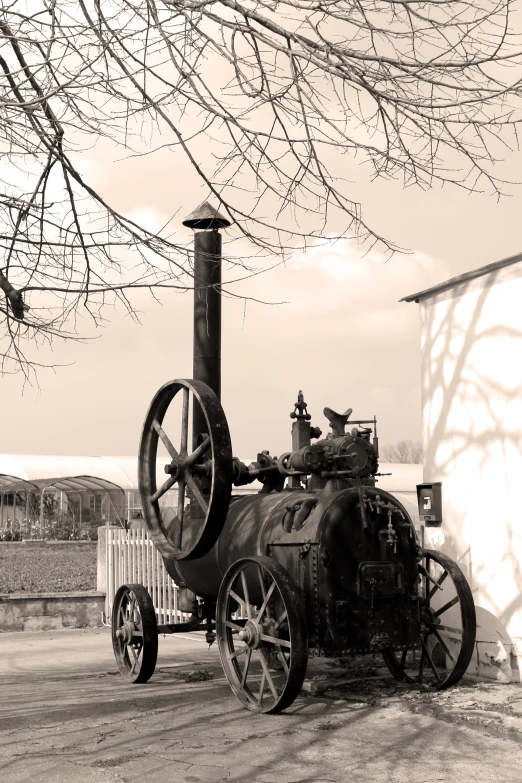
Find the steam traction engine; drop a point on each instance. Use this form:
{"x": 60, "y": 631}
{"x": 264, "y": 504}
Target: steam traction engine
{"x": 319, "y": 562}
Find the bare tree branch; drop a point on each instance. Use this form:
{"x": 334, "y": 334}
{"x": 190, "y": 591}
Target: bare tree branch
{"x": 272, "y": 102}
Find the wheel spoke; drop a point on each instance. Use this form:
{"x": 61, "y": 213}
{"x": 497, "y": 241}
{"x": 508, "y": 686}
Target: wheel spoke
{"x": 275, "y": 640}
{"x": 165, "y": 439}
{"x": 448, "y": 628}
{"x": 234, "y": 626}
{"x": 447, "y": 606}
{"x": 267, "y": 674}
{"x": 197, "y": 494}
{"x": 439, "y": 582}
{"x": 265, "y": 601}
{"x": 427, "y": 596}
{"x": 245, "y": 668}
{"x": 262, "y": 584}
{"x": 245, "y": 593}
{"x": 240, "y": 652}
{"x": 239, "y": 600}
{"x": 281, "y": 656}
{"x": 136, "y": 657}
{"x": 181, "y": 500}
{"x": 184, "y": 422}
{"x": 262, "y": 687}
{"x": 164, "y": 488}
{"x": 430, "y": 579}
{"x": 281, "y": 619}
{"x": 429, "y": 659}
{"x": 196, "y": 454}
{"x": 180, "y": 515}
{"x": 444, "y": 645}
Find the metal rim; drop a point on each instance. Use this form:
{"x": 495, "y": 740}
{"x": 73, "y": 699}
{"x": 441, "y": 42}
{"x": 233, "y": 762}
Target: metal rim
{"x": 264, "y": 654}
{"x": 455, "y": 642}
{"x": 134, "y": 633}
{"x": 187, "y": 471}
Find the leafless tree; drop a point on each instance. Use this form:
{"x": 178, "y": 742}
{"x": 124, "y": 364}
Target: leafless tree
{"x": 409, "y": 451}
{"x": 272, "y": 102}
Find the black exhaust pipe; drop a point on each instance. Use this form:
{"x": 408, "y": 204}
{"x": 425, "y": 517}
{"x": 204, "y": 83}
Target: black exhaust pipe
{"x": 206, "y": 221}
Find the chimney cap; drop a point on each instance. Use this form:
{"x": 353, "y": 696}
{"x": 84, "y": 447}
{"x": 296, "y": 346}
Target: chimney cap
{"x": 204, "y": 217}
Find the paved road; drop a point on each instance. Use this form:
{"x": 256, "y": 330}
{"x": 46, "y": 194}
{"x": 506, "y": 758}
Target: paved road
{"x": 65, "y": 715}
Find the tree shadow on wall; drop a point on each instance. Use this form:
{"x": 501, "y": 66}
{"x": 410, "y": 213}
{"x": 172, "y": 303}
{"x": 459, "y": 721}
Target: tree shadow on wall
{"x": 458, "y": 377}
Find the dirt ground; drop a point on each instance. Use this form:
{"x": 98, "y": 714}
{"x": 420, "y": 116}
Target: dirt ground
{"x": 66, "y": 715}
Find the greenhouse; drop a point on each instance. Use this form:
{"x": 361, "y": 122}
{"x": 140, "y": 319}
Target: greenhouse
{"x": 62, "y": 497}
{"x": 62, "y": 508}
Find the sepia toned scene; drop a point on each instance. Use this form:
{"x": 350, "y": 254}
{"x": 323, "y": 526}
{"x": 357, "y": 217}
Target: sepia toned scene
{"x": 261, "y": 382}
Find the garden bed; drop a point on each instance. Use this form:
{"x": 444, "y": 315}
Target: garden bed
{"x": 47, "y": 567}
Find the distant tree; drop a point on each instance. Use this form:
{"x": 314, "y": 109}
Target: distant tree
{"x": 408, "y": 451}
{"x": 271, "y": 103}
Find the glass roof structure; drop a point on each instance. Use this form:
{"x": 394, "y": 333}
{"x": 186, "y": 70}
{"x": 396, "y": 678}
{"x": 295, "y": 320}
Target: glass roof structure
{"x": 121, "y": 471}
{"x": 65, "y": 484}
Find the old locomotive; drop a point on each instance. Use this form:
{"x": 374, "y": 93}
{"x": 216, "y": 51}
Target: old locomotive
{"x": 320, "y": 561}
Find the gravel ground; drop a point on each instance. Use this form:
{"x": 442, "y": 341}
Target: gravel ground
{"x": 488, "y": 707}
{"x": 85, "y": 724}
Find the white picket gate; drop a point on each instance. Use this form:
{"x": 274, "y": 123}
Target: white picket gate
{"x": 131, "y": 558}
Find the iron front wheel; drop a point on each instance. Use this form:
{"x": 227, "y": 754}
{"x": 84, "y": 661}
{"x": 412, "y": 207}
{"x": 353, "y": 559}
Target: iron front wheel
{"x": 134, "y": 633}
{"x": 264, "y": 654}
{"x": 447, "y": 627}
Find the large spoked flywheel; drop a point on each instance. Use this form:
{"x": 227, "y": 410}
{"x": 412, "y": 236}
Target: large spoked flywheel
{"x": 203, "y": 477}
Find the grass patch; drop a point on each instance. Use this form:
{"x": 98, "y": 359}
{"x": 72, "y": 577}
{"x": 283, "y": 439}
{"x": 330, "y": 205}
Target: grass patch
{"x": 47, "y": 569}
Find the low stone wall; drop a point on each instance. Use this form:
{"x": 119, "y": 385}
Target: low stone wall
{"x": 46, "y": 611}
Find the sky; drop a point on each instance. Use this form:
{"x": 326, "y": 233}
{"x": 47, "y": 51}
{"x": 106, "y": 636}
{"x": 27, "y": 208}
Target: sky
{"x": 341, "y": 335}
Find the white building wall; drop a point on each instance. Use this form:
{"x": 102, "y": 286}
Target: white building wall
{"x": 472, "y": 435}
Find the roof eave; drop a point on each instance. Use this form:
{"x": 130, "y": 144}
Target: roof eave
{"x": 464, "y": 278}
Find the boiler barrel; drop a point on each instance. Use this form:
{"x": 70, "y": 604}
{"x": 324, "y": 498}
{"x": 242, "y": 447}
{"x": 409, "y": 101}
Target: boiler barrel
{"x": 264, "y": 524}
{"x": 337, "y": 558}
{"x": 253, "y": 522}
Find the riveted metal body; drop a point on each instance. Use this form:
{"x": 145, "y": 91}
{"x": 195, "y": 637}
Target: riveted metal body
{"x": 359, "y": 585}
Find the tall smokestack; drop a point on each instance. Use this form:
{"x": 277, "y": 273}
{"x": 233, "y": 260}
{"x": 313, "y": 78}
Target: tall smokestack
{"x": 206, "y": 221}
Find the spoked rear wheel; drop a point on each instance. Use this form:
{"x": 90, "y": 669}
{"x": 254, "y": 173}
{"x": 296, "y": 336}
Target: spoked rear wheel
{"x": 264, "y": 655}
{"x": 134, "y": 633}
{"x": 447, "y": 627}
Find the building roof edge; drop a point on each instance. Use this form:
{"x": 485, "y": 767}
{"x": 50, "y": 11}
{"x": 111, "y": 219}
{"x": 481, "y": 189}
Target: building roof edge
{"x": 454, "y": 281}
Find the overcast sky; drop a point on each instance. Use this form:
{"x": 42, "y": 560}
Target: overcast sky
{"x": 342, "y": 335}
